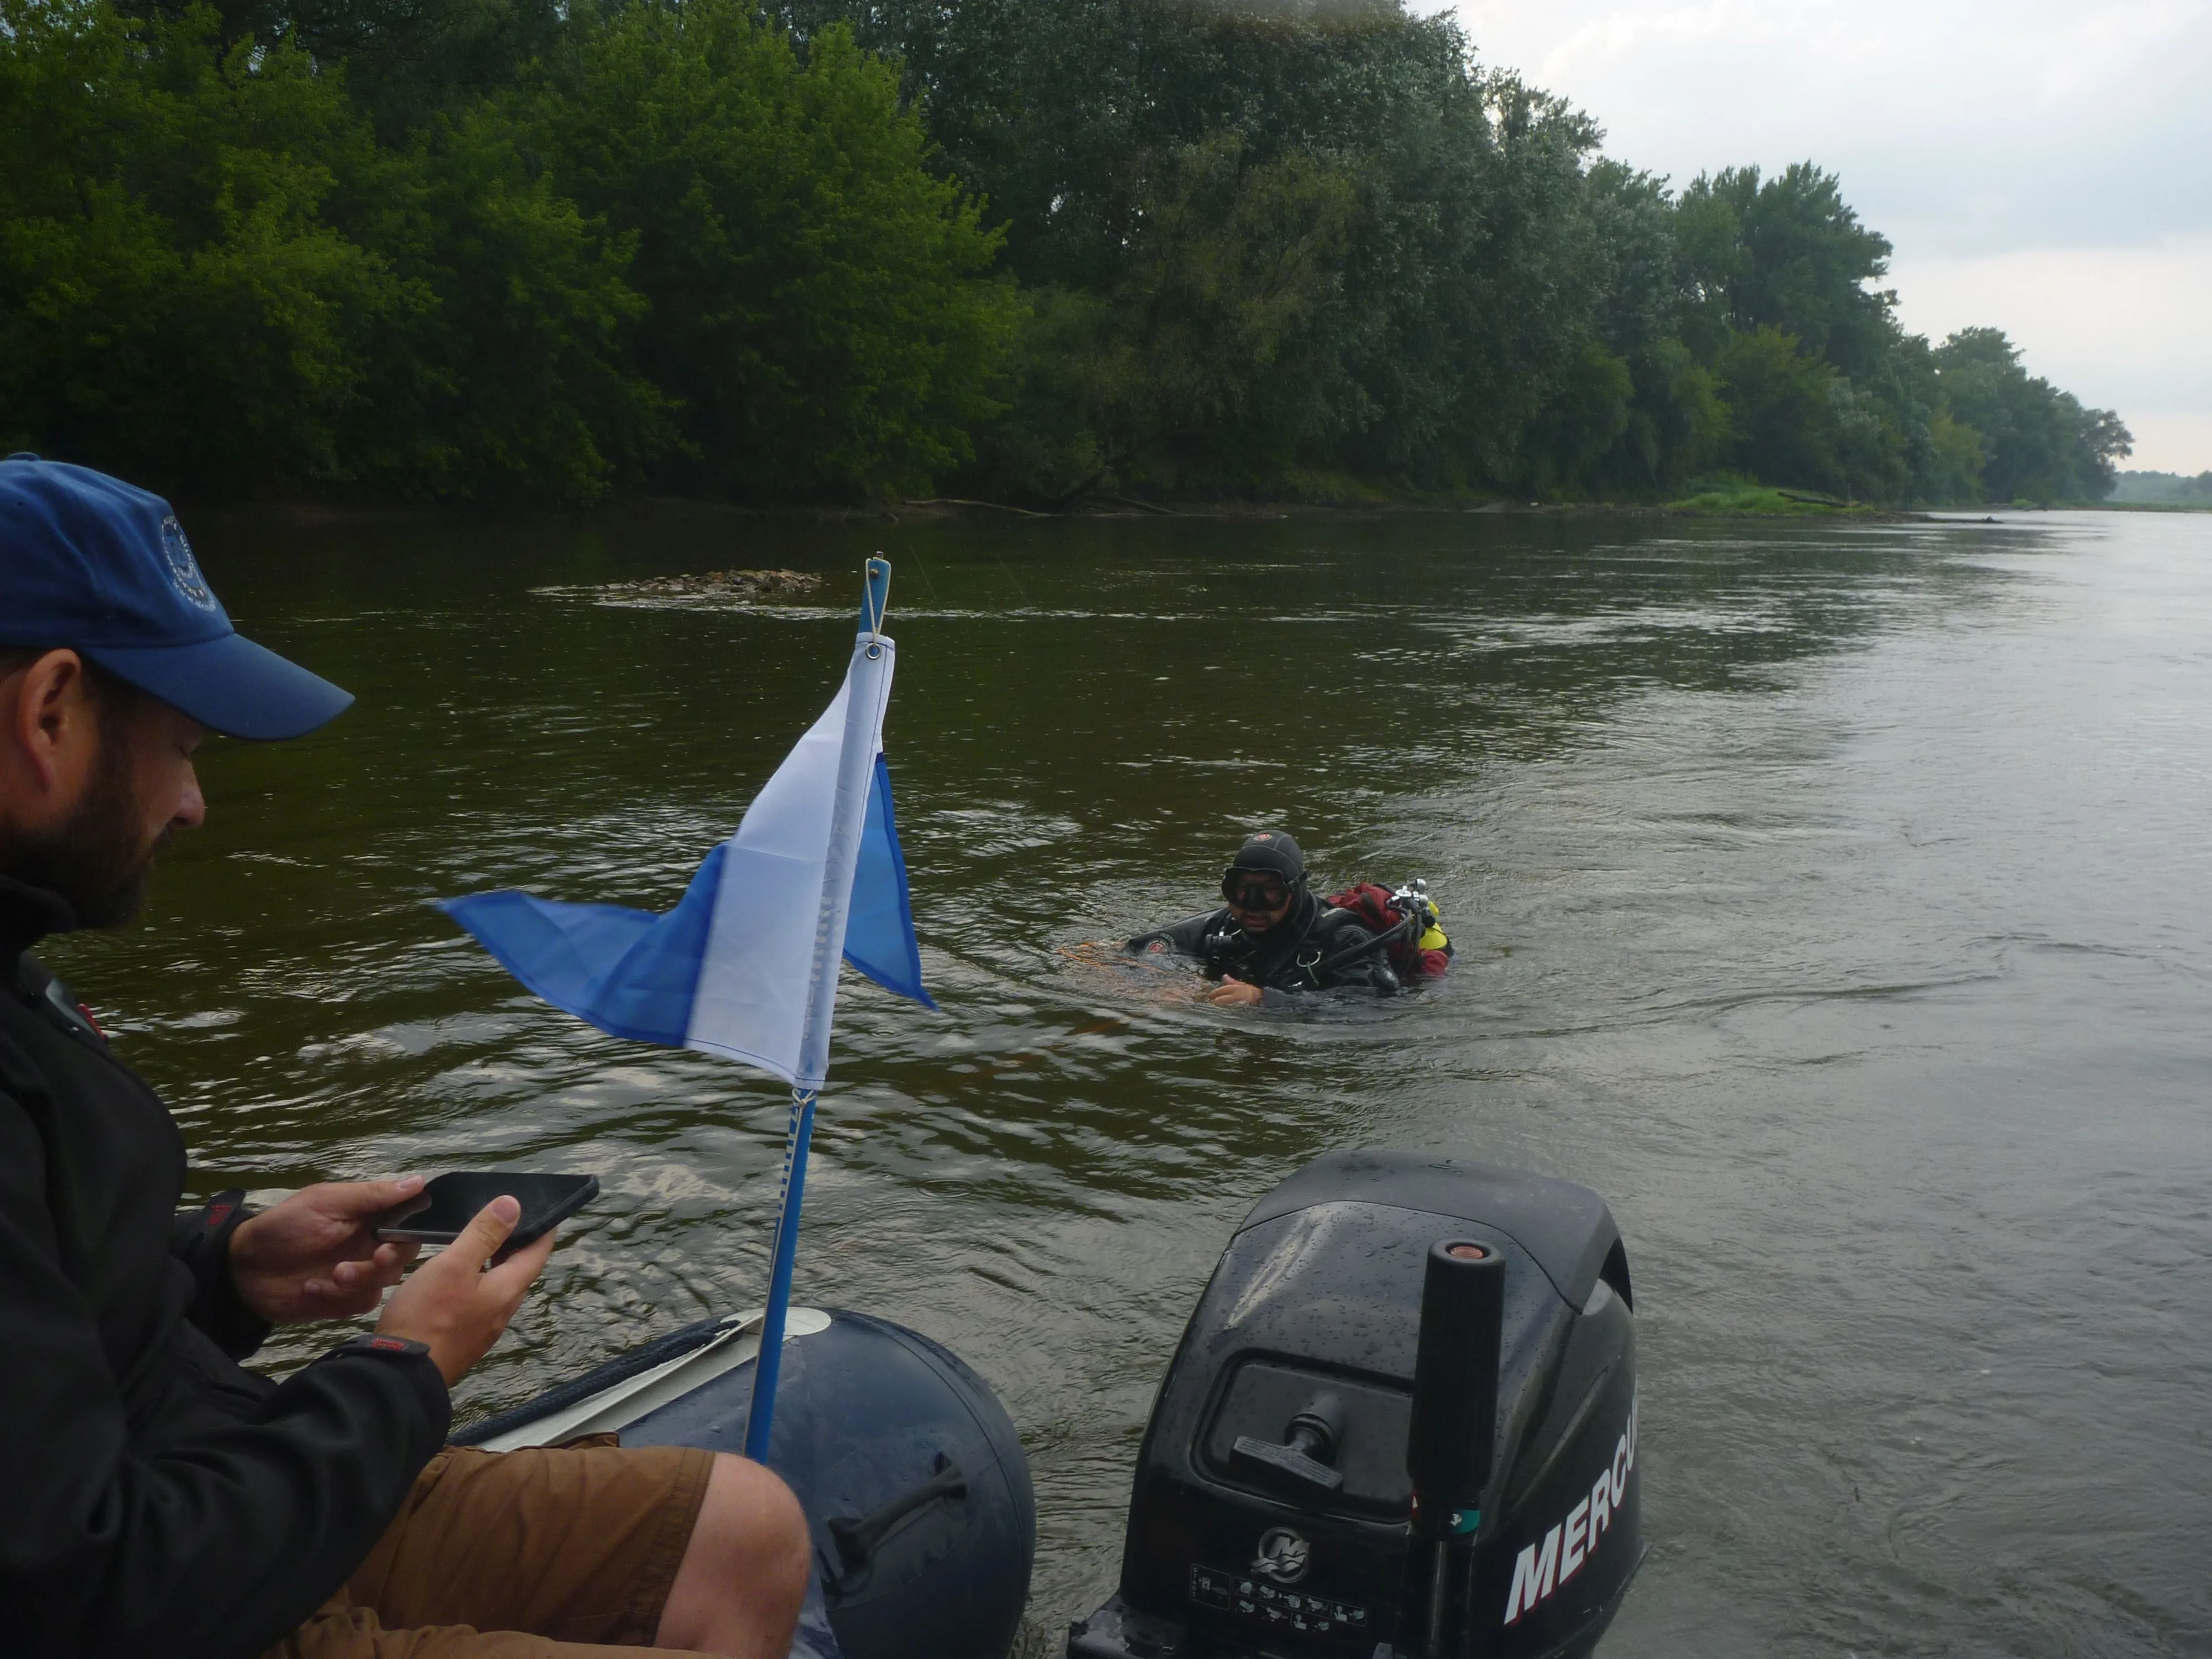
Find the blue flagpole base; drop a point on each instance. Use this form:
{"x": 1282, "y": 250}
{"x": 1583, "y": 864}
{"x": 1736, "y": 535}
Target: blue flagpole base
{"x": 770, "y": 1365}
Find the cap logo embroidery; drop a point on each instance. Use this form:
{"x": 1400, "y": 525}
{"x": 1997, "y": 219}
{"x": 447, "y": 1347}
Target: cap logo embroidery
{"x": 184, "y": 568}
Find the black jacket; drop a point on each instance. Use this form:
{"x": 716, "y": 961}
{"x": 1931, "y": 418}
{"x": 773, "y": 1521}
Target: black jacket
{"x": 158, "y": 1499}
{"x": 1315, "y": 948}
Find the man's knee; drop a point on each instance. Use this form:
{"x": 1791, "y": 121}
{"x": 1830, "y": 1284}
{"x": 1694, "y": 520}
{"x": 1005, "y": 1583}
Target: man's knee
{"x": 752, "y": 1515}
{"x": 743, "y": 1574}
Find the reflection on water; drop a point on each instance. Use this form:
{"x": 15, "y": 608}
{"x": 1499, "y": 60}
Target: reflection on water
{"x": 1832, "y": 900}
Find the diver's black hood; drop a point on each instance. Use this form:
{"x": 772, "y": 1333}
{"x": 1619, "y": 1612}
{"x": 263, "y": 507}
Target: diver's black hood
{"x": 1273, "y": 850}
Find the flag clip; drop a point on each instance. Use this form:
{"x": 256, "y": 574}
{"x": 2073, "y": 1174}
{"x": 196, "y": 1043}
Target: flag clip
{"x": 875, "y": 595}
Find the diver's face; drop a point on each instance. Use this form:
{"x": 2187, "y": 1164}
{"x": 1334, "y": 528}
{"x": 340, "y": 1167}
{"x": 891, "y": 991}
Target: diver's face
{"x": 1257, "y": 901}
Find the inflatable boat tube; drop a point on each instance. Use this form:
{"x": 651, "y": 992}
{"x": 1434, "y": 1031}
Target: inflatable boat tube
{"x": 914, "y": 1481}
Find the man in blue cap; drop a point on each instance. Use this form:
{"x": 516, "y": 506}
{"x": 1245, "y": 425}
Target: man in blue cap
{"x": 159, "y": 1498}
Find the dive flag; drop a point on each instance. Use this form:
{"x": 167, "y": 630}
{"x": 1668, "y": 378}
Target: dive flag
{"x": 745, "y": 965}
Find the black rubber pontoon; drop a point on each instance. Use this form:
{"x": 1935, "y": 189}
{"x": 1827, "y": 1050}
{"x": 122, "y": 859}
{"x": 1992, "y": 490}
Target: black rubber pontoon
{"x": 913, "y": 1479}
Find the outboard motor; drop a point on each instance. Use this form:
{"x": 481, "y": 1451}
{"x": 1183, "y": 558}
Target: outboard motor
{"x": 914, "y": 1481}
{"x": 1401, "y": 1421}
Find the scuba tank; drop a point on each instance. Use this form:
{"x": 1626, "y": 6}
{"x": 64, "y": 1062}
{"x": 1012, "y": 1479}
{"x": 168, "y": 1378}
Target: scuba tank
{"x": 1403, "y": 922}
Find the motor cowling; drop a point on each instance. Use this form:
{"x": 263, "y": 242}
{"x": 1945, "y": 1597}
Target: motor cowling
{"x": 1274, "y": 1511}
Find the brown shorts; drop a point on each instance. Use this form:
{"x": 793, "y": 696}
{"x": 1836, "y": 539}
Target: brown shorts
{"x": 563, "y": 1552}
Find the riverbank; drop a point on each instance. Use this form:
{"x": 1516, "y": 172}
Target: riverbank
{"x": 1749, "y": 501}
{"x": 1335, "y": 494}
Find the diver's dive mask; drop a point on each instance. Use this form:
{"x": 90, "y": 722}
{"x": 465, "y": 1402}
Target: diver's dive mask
{"x": 1255, "y": 890}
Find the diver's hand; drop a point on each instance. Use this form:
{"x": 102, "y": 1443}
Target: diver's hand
{"x": 1231, "y": 991}
{"x": 315, "y": 1256}
{"x": 454, "y": 1305}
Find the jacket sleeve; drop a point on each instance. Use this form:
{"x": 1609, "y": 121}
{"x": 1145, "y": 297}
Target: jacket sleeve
{"x": 1185, "y": 938}
{"x": 223, "y": 1540}
{"x": 201, "y": 1240}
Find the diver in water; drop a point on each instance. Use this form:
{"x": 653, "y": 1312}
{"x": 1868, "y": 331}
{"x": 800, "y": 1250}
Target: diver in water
{"x": 1274, "y": 937}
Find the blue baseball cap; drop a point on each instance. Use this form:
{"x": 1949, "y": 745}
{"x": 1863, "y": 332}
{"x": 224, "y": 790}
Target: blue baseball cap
{"x": 89, "y": 562}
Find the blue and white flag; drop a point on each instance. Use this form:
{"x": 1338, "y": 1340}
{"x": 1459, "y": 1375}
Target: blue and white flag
{"x": 745, "y": 965}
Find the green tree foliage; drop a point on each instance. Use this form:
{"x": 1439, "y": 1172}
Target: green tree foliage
{"x": 1824, "y": 389}
{"x": 2041, "y": 444}
{"x": 213, "y": 277}
{"x": 1492, "y": 304}
{"x": 2165, "y": 488}
{"x": 518, "y": 377}
{"x": 1788, "y": 254}
{"x": 1218, "y": 362}
{"x": 1318, "y": 235}
{"x": 678, "y": 253}
{"x": 1780, "y": 409}
{"x": 841, "y": 248}
{"x": 821, "y": 306}
{"x": 173, "y": 300}
{"x": 409, "y": 60}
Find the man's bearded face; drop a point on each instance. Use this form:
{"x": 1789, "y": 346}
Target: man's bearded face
{"x": 101, "y": 857}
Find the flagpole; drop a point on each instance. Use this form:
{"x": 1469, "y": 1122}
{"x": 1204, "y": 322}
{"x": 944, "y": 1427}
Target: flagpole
{"x": 854, "y": 771}
{"x": 798, "y": 1142}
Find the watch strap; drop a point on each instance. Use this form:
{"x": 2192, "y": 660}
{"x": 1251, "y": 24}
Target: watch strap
{"x": 381, "y": 1346}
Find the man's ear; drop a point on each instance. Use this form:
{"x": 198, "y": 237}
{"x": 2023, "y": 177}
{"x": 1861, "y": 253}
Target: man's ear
{"x": 49, "y": 734}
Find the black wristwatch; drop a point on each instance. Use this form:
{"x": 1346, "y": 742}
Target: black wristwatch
{"x": 384, "y": 1347}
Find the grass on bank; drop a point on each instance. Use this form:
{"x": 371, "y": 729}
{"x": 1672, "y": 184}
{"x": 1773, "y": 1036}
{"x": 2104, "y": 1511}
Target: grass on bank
{"x": 1733, "y": 500}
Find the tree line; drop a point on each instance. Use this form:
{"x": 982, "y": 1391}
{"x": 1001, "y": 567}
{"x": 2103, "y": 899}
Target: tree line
{"x": 1036, "y": 250}
{"x": 2165, "y": 488}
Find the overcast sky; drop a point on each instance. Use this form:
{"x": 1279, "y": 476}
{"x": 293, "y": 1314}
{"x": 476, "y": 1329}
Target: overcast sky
{"x": 2044, "y": 168}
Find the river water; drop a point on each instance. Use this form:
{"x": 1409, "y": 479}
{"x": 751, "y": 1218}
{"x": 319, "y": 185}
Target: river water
{"x": 1832, "y": 900}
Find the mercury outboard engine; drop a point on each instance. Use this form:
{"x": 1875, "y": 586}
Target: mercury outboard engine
{"x": 1401, "y": 1421}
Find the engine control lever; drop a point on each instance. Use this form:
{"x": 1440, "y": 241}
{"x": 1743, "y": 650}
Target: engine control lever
{"x": 1301, "y": 1459}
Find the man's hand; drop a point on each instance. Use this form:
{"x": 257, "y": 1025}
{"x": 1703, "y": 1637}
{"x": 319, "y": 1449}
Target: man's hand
{"x": 454, "y": 1305}
{"x": 314, "y": 1256}
{"x": 1232, "y": 992}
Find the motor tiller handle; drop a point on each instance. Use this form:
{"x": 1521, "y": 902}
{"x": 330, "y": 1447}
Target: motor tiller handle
{"x": 1452, "y": 1439}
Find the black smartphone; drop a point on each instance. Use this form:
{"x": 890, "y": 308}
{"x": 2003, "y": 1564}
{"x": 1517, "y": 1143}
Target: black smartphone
{"x": 448, "y": 1203}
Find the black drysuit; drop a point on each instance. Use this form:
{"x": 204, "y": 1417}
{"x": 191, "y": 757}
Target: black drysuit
{"x": 1316, "y": 947}
{"x": 159, "y": 1499}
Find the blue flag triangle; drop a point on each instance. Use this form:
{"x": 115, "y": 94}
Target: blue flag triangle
{"x": 880, "y": 938}
{"x": 629, "y": 972}
{"x": 635, "y": 975}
